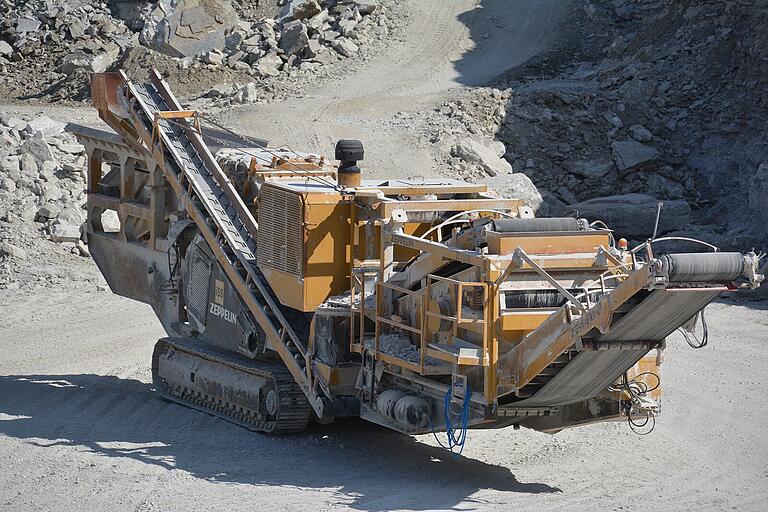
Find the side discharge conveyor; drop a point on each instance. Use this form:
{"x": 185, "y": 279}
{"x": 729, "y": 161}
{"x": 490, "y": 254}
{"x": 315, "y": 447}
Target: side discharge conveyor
{"x": 292, "y": 289}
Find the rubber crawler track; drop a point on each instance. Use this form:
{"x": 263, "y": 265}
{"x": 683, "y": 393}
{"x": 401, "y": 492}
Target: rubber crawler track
{"x": 293, "y": 411}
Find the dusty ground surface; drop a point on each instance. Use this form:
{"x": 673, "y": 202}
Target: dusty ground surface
{"x": 80, "y": 427}
{"x": 376, "y": 103}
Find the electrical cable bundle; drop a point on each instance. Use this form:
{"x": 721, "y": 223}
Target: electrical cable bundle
{"x": 637, "y": 391}
{"x": 690, "y": 336}
{"x": 455, "y": 425}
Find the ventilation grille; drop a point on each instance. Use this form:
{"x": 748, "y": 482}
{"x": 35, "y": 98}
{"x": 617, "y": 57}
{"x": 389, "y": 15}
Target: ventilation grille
{"x": 281, "y": 230}
{"x": 198, "y": 283}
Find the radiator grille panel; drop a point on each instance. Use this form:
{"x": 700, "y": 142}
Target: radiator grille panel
{"x": 281, "y": 230}
{"x": 198, "y": 283}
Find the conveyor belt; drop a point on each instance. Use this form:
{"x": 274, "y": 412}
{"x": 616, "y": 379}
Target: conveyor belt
{"x": 219, "y": 219}
{"x": 658, "y": 314}
{"x": 588, "y": 374}
{"x": 186, "y": 159}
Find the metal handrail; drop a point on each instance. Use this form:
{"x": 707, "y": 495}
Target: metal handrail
{"x": 457, "y": 320}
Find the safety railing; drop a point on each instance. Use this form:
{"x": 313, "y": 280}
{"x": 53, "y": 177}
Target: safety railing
{"x": 359, "y": 313}
{"x": 397, "y": 324}
{"x": 458, "y": 351}
{"x": 433, "y": 357}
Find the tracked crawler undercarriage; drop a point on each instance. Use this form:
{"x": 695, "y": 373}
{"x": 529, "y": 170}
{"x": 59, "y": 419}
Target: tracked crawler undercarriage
{"x": 254, "y": 394}
{"x": 293, "y": 290}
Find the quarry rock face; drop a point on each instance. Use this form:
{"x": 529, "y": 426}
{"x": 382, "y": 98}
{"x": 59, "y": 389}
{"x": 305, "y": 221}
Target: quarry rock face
{"x": 758, "y": 198}
{"x": 640, "y": 116}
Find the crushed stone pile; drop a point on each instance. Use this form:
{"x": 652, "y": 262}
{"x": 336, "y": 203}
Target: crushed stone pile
{"x": 48, "y": 47}
{"x": 42, "y": 201}
{"x": 298, "y": 45}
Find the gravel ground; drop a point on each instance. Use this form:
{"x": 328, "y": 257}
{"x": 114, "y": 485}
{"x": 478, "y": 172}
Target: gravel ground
{"x": 81, "y": 429}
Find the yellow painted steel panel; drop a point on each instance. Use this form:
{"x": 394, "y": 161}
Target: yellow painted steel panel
{"x": 522, "y": 321}
{"x": 322, "y": 247}
{"x": 547, "y": 243}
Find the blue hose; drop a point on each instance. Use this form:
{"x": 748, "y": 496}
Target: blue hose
{"x": 455, "y": 426}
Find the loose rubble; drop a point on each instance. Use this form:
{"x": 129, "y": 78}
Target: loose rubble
{"x": 42, "y": 201}
{"x": 47, "y": 48}
{"x": 285, "y": 53}
{"x": 399, "y": 345}
{"x": 655, "y": 98}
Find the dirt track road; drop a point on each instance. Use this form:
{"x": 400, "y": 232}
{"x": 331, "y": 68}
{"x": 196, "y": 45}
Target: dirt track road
{"x": 447, "y": 46}
{"x": 80, "y": 429}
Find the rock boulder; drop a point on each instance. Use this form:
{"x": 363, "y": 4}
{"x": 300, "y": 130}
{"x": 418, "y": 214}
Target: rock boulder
{"x": 64, "y": 233}
{"x": 345, "y": 47}
{"x": 302, "y": 9}
{"x": 12, "y": 251}
{"x": 634, "y": 215}
{"x": 268, "y": 65}
{"x": 45, "y": 125}
{"x": 294, "y": 39}
{"x": 630, "y": 154}
{"x": 483, "y": 153}
{"x": 517, "y": 186}
{"x": 37, "y": 148}
{"x": 190, "y": 27}
{"x": 590, "y": 169}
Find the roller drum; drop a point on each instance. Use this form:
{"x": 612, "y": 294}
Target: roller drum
{"x": 539, "y": 225}
{"x": 533, "y": 299}
{"x": 702, "y": 267}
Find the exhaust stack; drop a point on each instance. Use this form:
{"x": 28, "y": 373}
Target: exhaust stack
{"x": 349, "y": 152}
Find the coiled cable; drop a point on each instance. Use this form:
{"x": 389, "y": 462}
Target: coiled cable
{"x": 637, "y": 390}
{"x": 455, "y": 425}
{"x": 690, "y": 336}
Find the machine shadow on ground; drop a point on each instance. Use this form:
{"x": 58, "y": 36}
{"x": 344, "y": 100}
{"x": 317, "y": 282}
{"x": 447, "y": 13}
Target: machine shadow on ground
{"x": 123, "y": 418}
